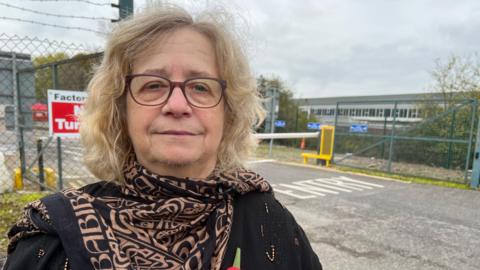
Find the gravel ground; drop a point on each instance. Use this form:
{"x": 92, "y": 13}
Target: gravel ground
{"x": 454, "y": 175}
{"x": 289, "y": 154}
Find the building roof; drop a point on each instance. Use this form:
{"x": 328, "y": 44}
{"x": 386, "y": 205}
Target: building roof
{"x": 23, "y": 56}
{"x": 396, "y": 97}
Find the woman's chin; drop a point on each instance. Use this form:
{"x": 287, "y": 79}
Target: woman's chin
{"x": 176, "y": 158}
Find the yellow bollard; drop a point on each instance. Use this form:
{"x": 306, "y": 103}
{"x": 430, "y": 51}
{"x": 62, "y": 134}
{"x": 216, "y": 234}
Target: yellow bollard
{"x": 50, "y": 178}
{"x": 17, "y": 179}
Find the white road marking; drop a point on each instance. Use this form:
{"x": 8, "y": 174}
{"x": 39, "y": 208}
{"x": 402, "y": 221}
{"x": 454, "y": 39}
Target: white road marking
{"x": 341, "y": 183}
{"x": 290, "y": 193}
{"x": 312, "y": 182}
{"x": 360, "y": 182}
{"x": 261, "y": 161}
{"x": 308, "y": 189}
{"x": 302, "y": 189}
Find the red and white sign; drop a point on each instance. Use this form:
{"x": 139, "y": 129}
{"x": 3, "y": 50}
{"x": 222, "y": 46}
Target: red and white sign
{"x": 63, "y": 110}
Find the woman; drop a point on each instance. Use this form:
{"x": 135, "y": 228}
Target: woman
{"x": 168, "y": 123}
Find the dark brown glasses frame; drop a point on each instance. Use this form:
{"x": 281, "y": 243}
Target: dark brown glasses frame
{"x": 173, "y": 85}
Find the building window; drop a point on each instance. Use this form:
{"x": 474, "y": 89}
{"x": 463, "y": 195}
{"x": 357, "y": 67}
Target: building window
{"x": 412, "y": 113}
{"x": 387, "y": 112}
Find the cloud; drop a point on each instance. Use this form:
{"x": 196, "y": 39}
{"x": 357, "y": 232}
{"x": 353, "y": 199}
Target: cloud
{"x": 332, "y": 48}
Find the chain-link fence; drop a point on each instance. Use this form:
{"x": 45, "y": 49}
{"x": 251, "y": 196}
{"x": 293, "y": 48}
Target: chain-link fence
{"x": 432, "y": 137}
{"x": 425, "y": 138}
{"x": 29, "y": 158}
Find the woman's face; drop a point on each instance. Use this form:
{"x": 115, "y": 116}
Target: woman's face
{"x": 176, "y": 138}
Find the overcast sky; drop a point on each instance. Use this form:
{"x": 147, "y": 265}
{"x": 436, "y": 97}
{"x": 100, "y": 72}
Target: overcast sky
{"x": 319, "y": 48}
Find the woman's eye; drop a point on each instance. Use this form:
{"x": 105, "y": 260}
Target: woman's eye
{"x": 155, "y": 86}
{"x": 200, "y": 88}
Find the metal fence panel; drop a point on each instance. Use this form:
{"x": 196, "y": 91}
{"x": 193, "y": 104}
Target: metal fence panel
{"x": 423, "y": 138}
{"x": 28, "y": 68}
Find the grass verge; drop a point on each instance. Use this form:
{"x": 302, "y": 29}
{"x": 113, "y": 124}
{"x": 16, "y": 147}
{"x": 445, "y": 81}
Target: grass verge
{"x": 411, "y": 179}
{"x": 11, "y": 208}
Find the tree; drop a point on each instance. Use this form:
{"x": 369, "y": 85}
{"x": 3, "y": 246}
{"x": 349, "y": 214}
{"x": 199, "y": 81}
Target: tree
{"x": 70, "y": 75}
{"x": 288, "y": 110}
{"x": 457, "y": 79}
{"x": 75, "y": 74}
{"x": 43, "y": 75}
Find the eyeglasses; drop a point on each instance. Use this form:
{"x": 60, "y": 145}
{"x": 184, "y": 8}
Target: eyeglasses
{"x": 154, "y": 90}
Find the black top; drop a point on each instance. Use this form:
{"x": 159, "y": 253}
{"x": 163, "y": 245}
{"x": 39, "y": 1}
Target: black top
{"x": 265, "y": 231}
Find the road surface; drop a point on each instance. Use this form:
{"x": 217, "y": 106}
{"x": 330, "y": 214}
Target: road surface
{"x": 360, "y": 222}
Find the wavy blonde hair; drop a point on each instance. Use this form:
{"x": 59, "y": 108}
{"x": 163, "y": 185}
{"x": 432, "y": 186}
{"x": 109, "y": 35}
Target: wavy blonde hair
{"x": 103, "y": 123}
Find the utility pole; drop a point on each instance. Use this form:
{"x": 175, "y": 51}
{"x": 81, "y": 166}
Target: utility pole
{"x": 125, "y": 9}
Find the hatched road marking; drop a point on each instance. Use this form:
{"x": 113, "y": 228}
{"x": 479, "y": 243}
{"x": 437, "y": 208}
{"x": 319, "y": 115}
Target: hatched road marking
{"x": 308, "y": 189}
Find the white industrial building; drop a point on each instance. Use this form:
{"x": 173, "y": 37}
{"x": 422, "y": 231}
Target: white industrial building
{"x": 375, "y": 110}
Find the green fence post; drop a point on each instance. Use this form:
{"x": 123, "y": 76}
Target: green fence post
{"x": 272, "y": 122}
{"x": 19, "y": 119}
{"x": 59, "y": 140}
{"x": 384, "y": 134}
{"x": 41, "y": 174}
{"x": 21, "y": 145}
{"x": 392, "y": 135}
{"x": 125, "y": 9}
{"x": 335, "y": 130}
{"x": 469, "y": 151}
{"x": 450, "y": 144}
{"x": 319, "y": 137}
{"x": 59, "y": 164}
{"x": 55, "y": 76}
{"x": 475, "y": 180}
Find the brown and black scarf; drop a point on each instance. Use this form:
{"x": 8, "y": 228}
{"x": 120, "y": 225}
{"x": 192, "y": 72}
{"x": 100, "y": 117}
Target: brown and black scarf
{"x": 150, "y": 222}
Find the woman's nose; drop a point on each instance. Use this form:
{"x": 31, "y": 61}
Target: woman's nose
{"x": 177, "y": 103}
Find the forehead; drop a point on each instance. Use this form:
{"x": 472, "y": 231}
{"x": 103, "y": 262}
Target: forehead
{"x": 184, "y": 49}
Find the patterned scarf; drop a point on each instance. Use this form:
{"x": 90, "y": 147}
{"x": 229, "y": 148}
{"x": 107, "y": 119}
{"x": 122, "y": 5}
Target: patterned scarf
{"x": 155, "y": 222}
